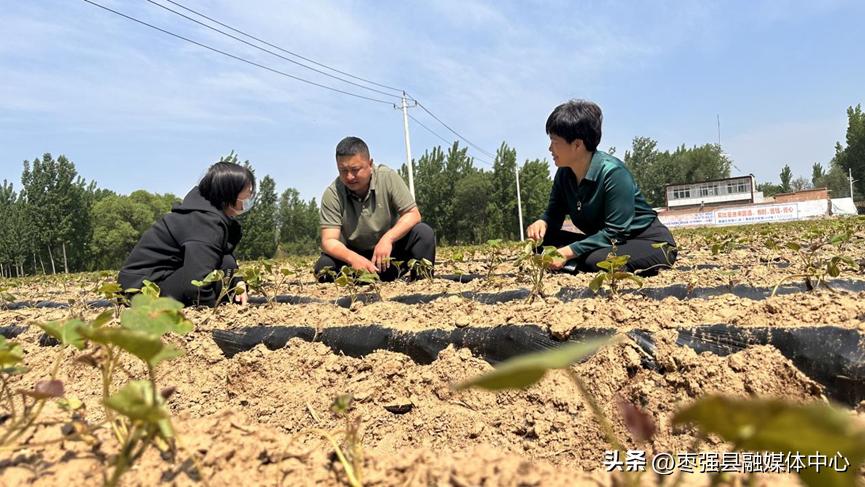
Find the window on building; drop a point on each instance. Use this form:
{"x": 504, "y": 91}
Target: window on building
{"x": 736, "y": 187}
{"x": 709, "y": 190}
{"x": 680, "y": 193}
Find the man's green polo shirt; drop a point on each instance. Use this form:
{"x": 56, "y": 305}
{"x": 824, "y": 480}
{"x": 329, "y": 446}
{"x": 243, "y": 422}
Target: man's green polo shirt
{"x": 606, "y": 205}
{"x": 363, "y": 220}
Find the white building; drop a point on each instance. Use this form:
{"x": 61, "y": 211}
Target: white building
{"x": 742, "y": 189}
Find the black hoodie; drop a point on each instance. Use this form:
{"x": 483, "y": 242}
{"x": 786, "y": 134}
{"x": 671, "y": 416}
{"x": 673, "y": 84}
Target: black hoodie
{"x": 186, "y": 244}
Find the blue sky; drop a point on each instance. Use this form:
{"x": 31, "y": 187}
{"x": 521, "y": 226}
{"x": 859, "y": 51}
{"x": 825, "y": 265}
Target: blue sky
{"x": 134, "y": 108}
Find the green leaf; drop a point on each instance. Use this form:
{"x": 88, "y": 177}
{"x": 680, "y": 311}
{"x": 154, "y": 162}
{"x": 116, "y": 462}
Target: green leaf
{"x": 597, "y": 282}
{"x": 214, "y": 276}
{"x": 778, "y": 426}
{"x": 197, "y": 283}
{"x": 149, "y": 288}
{"x": 793, "y": 246}
{"x": 607, "y": 265}
{"x": 10, "y": 353}
{"x": 524, "y": 371}
{"x": 110, "y": 290}
{"x": 368, "y": 278}
{"x": 156, "y": 316}
{"x": 659, "y": 245}
{"x": 143, "y": 345}
{"x": 70, "y": 403}
{"x": 104, "y": 318}
{"x": 137, "y": 401}
{"x": 66, "y": 332}
{"x": 628, "y": 276}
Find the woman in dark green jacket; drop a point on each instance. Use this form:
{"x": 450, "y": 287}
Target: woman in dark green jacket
{"x": 599, "y": 194}
{"x": 197, "y": 237}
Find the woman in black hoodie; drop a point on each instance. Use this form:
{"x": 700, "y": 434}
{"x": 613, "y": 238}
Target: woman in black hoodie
{"x": 197, "y": 237}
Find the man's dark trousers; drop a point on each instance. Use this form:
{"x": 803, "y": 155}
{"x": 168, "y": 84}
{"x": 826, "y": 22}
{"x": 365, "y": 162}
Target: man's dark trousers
{"x": 418, "y": 243}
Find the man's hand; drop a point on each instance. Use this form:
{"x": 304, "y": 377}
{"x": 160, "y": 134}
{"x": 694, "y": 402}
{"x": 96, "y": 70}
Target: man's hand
{"x": 537, "y": 230}
{"x": 363, "y": 264}
{"x": 381, "y": 254}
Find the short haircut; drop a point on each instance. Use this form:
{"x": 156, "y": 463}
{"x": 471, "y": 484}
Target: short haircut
{"x": 224, "y": 182}
{"x": 577, "y": 119}
{"x": 350, "y": 147}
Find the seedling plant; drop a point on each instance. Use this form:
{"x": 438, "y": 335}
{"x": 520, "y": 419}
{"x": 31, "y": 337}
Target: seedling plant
{"x": 420, "y": 268}
{"x": 613, "y": 273}
{"x": 814, "y": 268}
{"x": 136, "y": 413}
{"x": 536, "y": 265}
{"x": 19, "y": 410}
{"x": 351, "y": 280}
{"x": 226, "y": 290}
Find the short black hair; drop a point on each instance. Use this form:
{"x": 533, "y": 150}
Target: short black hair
{"x": 224, "y": 182}
{"x": 577, "y": 119}
{"x": 351, "y": 146}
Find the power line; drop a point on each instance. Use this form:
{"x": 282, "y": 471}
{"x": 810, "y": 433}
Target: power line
{"x": 445, "y": 140}
{"x": 280, "y": 48}
{"x": 235, "y": 57}
{"x": 263, "y": 49}
{"x": 467, "y": 141}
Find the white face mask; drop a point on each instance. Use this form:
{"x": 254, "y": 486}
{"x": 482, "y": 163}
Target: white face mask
{"x": 245, "y": 205}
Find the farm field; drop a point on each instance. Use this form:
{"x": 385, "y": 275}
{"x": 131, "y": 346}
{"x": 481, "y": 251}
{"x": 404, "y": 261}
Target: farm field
{"x": 255, "y": 385}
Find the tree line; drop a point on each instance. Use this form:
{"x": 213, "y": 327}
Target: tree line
{"x": 58, "y": 221}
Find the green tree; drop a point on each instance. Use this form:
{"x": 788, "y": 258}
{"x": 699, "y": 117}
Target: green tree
{"x": 769, "y": 189}
{"x": 654, "y": 170}
{"x": 432, "y": 187}
{"x": 58, "y": 204}
{"x": 817, "y": 174}
{"x": 13, "y": 247}
{"x": 260, "y": 231}
{"x": 298, "y": 224}
{"x": 472, "y": 201}
{"x": 837, "y": 182}
{"x": 800, "y": 184}
{"x": 786, "y": 177}
{"x": 852, "y": 156}
{"x": 118, "y": 223}
{"x": 535, "y": 186}
{"x": 503, "y": 216}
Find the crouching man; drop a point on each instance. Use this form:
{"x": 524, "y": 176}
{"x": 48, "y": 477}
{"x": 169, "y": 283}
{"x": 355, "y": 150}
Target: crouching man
{"x": 369, "y": 218}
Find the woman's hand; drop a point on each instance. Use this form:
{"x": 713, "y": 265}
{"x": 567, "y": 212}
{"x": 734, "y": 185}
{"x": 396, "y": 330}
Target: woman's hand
{"x": 241, "y": 298}
{"x": 537, "y": 230}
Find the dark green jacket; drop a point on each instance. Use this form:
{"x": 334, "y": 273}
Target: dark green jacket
{"x": 606, "y": 205}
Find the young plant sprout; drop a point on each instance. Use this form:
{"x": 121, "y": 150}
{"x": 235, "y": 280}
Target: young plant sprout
{"x": 20, "y": 410}
{"x": 814, "y": 268}
{"x": 351, "y": 279}
{"x": 420, "y": 268}
{"x": 266, "y": 280}
{"x": 495, "y": 249}
{"x": 524, "y": 371}
{"x": 225, "y": 289}
{"x": 137, "y": 412}
{"x": 6, "y": 297}
{"x": 612, "y": 274}
{"x": 536, "y": 265}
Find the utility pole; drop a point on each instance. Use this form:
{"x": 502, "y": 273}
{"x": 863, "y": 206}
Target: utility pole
{"x": 408, "y": 163}
{"x": 519, "y": 201}
{"x": 719, "y": 129}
